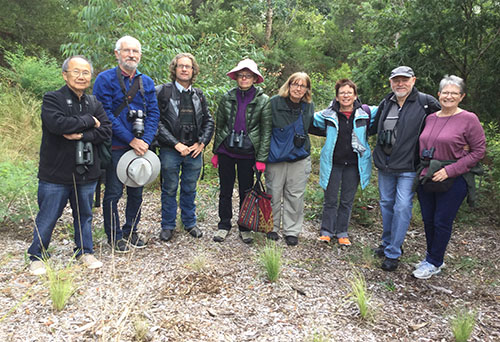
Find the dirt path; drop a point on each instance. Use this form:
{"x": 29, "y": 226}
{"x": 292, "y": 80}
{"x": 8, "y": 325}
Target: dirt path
{"x": 198, "y": 290}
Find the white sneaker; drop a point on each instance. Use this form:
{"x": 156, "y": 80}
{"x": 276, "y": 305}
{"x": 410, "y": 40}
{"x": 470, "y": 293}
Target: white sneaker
{"x": 423, "y": 262}
{"x": 426, "y": 271}
{"x": 37, "y": 267}
{"x": 90, "y": 261}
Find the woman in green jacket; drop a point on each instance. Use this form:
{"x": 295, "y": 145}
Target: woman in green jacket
{"x": 242, "y": 135}
{"x": 289, "y": 162}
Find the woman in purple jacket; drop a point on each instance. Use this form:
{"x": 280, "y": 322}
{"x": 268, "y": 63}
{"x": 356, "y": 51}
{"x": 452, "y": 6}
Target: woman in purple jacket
{"x": 451, "y": 144}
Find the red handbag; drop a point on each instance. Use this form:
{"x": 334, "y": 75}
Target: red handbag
{"x": 256, "y": 212}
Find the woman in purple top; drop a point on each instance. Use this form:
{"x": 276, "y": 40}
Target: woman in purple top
{"x": 451, "y": 143}
{"x": 242, "y": 138}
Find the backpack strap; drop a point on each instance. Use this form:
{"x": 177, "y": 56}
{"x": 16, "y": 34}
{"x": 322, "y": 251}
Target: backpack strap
{"x": 423, "y": 99}
{"x": 136, "y": 86}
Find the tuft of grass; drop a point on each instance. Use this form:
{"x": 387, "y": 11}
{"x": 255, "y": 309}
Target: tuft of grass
{"x": 318, "y": 336}
{"x": 463, "y": 324}
{"x": 61, "y": 283}
{"x": 199, "y": 263}
{"x": 270, "y": 259}
{"x": 361, "y": 296}
{"x": 389, "y": 285}
{"x": 141, "y": 329}
{"x": 367, "y": 256}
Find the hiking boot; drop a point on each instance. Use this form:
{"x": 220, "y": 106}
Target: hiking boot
{"x": 273, "y": 236}
{"x": 291, "y": 240}
{"x": 426, "y": 271}
{"x": 390, "y": 264}
{"x": 344, "y": 241}
{"x": 90, "y": 261}
{"x": 220, "y": 235}
{"x": 37, "y": 267}
{"x": 379, "y": 251}
{"x": 246, "y": 237}
{"x": 324, "y": 238}
{"x": 166, "y": 234}
{"x": 195, "y": 232}
{"x": 120, "y": 246}
{"x": 134, "y": 240}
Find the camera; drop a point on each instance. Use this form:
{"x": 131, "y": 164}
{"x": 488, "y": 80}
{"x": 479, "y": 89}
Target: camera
{"x": 385, "y": 137}
{"x": 428, "y": 153}
{"x": 137, "y": 118}
{"x": 299, "y": 140}
{"x": 236, "y": 139}
{"x": 187, "y": 134}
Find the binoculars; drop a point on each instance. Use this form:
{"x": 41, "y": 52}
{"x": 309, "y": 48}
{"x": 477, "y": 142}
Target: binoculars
{"x": 236, "y": 140}
{"x": 84, "y": 153}
{"x": 385, "y": 137}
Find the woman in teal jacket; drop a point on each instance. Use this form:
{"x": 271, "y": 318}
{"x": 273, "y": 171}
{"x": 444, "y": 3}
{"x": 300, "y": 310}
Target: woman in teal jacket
{"x": 345, "y": 159}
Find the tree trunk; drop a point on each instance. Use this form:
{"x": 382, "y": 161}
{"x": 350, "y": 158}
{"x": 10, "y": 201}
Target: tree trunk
{"x": 269, "y": 22}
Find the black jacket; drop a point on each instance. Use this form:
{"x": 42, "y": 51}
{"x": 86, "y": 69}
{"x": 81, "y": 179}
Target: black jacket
{"x": 64, "y": 113}
{"x": 404, "y": 156}
{"x": 169, "y": 109}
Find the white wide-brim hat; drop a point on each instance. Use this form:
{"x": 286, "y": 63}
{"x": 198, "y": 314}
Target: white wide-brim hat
{"x": 136, "y": 171}
{"x": 246, "y": 64}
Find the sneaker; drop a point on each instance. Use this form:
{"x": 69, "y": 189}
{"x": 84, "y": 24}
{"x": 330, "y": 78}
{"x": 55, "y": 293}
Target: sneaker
{"x": 423, "y": 262}
{"x": 120, "y": 246}
{"x": 166, "y": 234}
{"x": 220, "y": 235}
{"x": 390, "y": 264}
{"x": 246, "y": 237}
{"x": 344, "y": 241}
{"x": 426, "y": 271}
{"x": 379, "y": 251}
{"x": 37, "y": 267}
{"x": 90, "y": 261}
{"x": 195, "y": 232}
{"x": 134, "y": 240}
{"x": 273, "y": 236}
{"x": 291, "y": 240}
{"x": 324, "y": 238}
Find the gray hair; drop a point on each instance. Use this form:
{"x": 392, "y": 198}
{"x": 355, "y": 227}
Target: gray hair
{"x": 67, "y": 60}
{"x": 130, "y": 39}
{"x": 452, "y": 80}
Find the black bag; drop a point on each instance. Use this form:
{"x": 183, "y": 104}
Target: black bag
{"x": 443, "y": 186}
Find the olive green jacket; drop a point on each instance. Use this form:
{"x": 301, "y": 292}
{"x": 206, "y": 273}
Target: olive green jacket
{"x": 258, "y": 121}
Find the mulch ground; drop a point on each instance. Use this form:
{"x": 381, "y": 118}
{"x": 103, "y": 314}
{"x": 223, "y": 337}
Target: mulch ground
{"x": 199, "y": 290}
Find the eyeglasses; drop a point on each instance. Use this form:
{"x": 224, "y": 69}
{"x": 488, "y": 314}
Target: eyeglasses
{"x": 183, "y": 66}
{"x": 128, "y": 51}
{"x": 246, "y": 76}
{"x": 346, "y": 93}
{"x": 298, "y": 86}
{"x": 450, "y": 93}
{"x": 77, "y": 73}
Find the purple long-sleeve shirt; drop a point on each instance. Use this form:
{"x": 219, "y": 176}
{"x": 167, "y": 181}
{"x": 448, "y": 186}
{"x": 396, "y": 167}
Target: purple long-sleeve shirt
{"x": 449, "y": 135}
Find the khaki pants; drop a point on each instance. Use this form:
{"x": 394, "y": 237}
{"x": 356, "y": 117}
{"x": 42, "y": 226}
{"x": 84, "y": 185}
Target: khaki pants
{"x": 286, "y": 182}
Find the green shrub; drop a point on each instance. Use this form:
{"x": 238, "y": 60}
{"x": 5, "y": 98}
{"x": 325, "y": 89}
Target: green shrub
{"x": 61, "y": 284}
{"x": 18, "y": 187}
{"x": 35, "y": 74}
{"x": 270, "y": 259}
{"x": 361, "y": 296}
{"x": 462, "y": 325}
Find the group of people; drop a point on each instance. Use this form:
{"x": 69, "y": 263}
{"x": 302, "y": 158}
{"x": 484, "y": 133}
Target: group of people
{"x": 423, "y": 145}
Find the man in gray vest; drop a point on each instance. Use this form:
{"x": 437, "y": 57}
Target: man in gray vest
{"x": 399, "y": 121}
{"x": 185, "y": 128}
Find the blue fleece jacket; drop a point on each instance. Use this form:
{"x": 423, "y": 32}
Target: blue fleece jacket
{"x": 108, "y": 92}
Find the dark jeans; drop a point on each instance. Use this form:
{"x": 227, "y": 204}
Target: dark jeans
{"x": 112, "y": 194}
{"x": 172, "y": 163}
{"x": 337, "y": 213}
{"x": 52, "y": 198}
{"x": 227, "y": 176}
{"x": 439, "y": 209}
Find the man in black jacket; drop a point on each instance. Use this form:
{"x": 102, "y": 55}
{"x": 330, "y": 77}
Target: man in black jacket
{"x": 185, "y": 128}
{"x": 72, "y": 126}
{"x": 400, "y": 119}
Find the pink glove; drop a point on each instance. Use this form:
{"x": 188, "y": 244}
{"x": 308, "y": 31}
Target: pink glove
{"x": 261, "y": 167}
{"x": 215, "y": 161}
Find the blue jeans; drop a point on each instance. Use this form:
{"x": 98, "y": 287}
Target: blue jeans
{"x": 439, "y": 209}
{"x": 171, "y": 164}
{"x": 112, "y": 194}
{"x": 396, "y": 204}
{"x": 52, "y": 198}
{"x": 336, "y": 214}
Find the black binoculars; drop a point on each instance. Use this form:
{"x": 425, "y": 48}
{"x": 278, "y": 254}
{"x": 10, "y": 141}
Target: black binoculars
{"x": 84, "y": 153}
{"x": 385, "y": 137}
{"x": 428, "y": 153}
{"x": 236, "y": 140}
